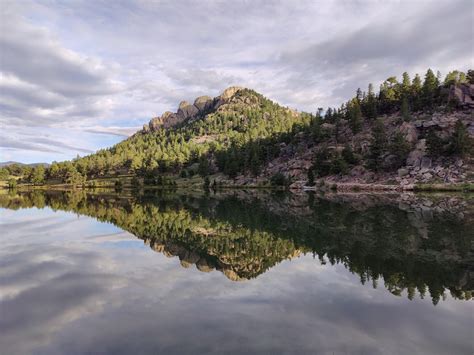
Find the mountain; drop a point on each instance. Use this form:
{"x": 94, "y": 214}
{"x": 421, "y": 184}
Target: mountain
{"x": 409, "y": 133}
{"x": 32, "y": 165}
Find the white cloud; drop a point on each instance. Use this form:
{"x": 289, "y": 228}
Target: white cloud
{"x": 117, "y": 64}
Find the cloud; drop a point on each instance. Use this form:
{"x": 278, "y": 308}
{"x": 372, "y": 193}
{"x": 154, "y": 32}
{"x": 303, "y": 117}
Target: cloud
{"x": 98, "y": 66}
{"x": 429, "y": 36}
{"x": 118, "y": 131}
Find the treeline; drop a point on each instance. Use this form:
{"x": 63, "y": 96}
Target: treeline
{"x": 406, "y": 97}
{"x": 249, "y": 131}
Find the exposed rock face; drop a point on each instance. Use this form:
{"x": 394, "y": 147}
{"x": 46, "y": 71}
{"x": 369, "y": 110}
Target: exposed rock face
{"x": 229, "y": 92}
{"x": 227, "y": 95}
{"x": 203, "y": 103}
{"x": 463, "y": 94}
{"x": 187, "y": 111}
{"x": 168, "y": 119}
{"x": 409, "y": 132}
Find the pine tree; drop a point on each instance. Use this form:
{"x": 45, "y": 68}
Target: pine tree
{"x": 434, "y": 144}
{"x": 429, "y": 90}
{"x": 348, "y": 155}
{"x": 355, "y": 116}
{"x": 371, "y": 106}
{"x": 406, "y": 85}
{"x": 377, "y": 147}
{"x": 400, "y": 148}
{"x": 416, "y": 88}
{"x": 460, "y": 142}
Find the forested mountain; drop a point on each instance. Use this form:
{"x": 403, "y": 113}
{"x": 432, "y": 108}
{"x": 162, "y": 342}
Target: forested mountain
{"x": 409, "y": 132}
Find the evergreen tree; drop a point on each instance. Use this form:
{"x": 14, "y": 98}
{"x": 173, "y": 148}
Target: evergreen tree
{"x": 400, "y": 148}
{"x": 355, "y": 116}
{"x": 406, "y": 85}
{"x": 377, "y": 147}
{"x": 348, "y": 155}
{"x": 416, "y": 88}
{"x": 429, "y": 90}
{"x": 470, "y": 76}
{"x": 371, "y": 106}
{"x": 434, "y": 144}
{"x": 460, "y": 142}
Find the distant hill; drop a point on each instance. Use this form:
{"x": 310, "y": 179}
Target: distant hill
{"x": 7, "y": 163}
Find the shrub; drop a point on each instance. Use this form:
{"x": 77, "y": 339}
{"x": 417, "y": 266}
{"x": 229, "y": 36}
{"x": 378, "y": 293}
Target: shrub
{"x": 460, "y": 142}
{"x": 339, "y": 165}
{"x": 279, "y": 179}
{"x": 434, "y": 144}
{"x": 349, "y": 156}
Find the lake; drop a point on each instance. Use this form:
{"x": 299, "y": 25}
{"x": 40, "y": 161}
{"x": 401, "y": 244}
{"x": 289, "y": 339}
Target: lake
{"x": 235, "y": 272}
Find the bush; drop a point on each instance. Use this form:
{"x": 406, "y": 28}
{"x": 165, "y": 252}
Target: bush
{"x": 460, "y": 142}
{"x": 400, "y": 148}
{"x": 434, "y": 144}
{"x": 339, "y": 165}
{"x": 279, "y": 179}
{"x": 349, "y": 156}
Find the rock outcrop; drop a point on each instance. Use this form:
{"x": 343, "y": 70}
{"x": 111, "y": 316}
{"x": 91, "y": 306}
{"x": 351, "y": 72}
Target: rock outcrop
{"x": 186, "y": 111}
{"x": 463, "y": 95}
{"x": 204, "y": 103}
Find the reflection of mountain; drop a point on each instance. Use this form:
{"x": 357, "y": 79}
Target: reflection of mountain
{"x": 412, "y": 246}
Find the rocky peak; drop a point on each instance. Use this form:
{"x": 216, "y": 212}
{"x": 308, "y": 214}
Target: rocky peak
{"x": 187, "y": 111}
{"x": 203, "y": 103}
{"x": 229, "y": 92}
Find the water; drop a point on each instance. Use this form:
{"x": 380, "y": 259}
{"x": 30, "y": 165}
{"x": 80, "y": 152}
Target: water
{"x": 235, "y": 272}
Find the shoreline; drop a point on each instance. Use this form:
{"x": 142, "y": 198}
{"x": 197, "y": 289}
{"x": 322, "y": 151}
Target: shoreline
{"x": 325, "y": 186}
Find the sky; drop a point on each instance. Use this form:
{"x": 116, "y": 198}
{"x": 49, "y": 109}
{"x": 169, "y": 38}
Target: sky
{"x": 77, "y": 76}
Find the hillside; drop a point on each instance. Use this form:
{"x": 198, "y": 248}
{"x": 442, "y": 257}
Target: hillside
{"x": 409, "y": 133}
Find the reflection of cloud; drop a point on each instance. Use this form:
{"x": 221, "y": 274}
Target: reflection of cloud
{"x": 68, "y": 292}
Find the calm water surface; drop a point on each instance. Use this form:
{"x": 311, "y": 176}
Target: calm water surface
{"x": 236, "y": 272}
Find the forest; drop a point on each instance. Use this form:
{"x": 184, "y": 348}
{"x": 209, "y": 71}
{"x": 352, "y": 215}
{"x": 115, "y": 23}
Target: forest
{"x": 247, "y": 133}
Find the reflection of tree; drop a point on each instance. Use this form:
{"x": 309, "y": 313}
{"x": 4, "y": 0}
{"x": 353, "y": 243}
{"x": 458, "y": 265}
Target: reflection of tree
{"x": 245, "y": 237}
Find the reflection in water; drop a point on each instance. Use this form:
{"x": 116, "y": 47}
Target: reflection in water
{"x": 415, "y": 244}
